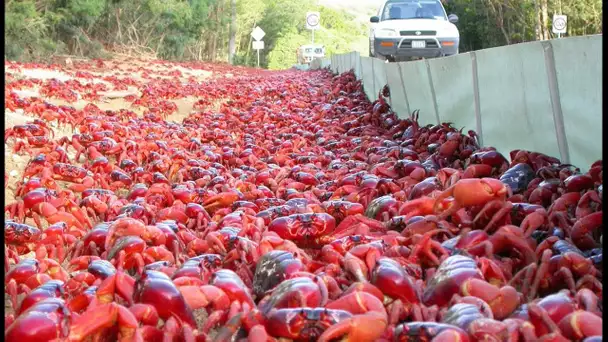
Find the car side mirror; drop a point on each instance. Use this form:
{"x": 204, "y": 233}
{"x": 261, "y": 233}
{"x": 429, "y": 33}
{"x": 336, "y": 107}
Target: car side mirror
{"x": 374, "y": 19}
{"x": 453, "y": 18}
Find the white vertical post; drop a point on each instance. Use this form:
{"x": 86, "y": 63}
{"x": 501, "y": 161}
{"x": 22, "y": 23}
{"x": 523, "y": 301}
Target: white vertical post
{"x": 258, "y": 58}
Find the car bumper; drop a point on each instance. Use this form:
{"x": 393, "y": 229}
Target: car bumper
{"x": 402, "y": 47}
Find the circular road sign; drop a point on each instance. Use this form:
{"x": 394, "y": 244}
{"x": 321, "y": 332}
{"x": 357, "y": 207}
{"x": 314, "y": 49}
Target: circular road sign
{"x": 312, "y": 19}
{"x": 559, "y": 23}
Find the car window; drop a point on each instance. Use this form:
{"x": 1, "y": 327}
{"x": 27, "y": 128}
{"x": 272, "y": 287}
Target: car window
{"x": 413, "y": 9}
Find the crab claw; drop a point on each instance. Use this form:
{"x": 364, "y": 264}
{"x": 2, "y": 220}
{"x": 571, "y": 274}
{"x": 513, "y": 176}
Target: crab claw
{"x": 145, "y": 313}
{"x": 582, "y": 228}
{"x": 418, "y": 207}
{"x": 364, "y": 287}
{"x": 477, "y": 171}
{"x": 52, "y": 215}
{"x": 213, "y": 241}
{"x": 366, "y": 327}
{"x": 87, "y": 183}
{"x": 120, "y": 283}
{"x": 358, "y": 302}
{"x": 128, "y": 226}
{"x": 121, "y": 227}
{"x": 202, "y": 296}
{"x": 172, "y": 213}
{"x": 503, "y": 301}
{"x": 472, "y": 192}
{"x": 221, "y": 200}
{"x": 581, "y": 324}
{"x": 205, "y": 296}
{"x": 103, "y": 317}
{"x": 82, "y": 262}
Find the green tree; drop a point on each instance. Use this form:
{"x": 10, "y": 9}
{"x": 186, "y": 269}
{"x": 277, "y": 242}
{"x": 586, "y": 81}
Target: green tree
{"x": 26, "y": 32}
{"x": 338, "y": 32}
{"x": 200, "y": 29}
{"x": 490, "y": 23}
{"x": 283, "y": 56}
{"x": 249, "y": 14}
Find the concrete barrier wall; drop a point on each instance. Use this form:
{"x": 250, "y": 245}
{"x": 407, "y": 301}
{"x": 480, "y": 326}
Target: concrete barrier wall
{"x": 367, "y": 75}
{"x": 540, "y": 96}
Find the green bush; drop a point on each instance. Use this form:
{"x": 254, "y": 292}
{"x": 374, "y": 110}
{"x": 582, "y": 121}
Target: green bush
{"x": 25, "y": 33}
{"x": 283, "y": 56}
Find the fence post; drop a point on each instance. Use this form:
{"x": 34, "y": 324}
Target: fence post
{"x": 390, "y": 98}
{"x": 558, "y": 115}
{"x": 476, "y": 97}
{"x": 358, "y": 68}
{"x": 373, "y": 81}
{"x": 433, "y": 96}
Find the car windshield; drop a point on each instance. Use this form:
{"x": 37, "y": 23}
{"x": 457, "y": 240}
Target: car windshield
{"x": 431, "y": 9}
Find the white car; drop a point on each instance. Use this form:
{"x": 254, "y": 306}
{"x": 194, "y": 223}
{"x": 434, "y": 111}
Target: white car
{"x": 405, "y": 29}
{"x": 306, "y": 53}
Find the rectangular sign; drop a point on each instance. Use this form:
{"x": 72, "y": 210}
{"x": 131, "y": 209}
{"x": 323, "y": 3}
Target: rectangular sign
{"x": 259, "y": 45}
{"x": 560, "y": 23}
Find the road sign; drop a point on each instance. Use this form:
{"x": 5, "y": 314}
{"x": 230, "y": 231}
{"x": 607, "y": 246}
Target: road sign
{"x": 259, "y": 45}
{"x": 258, "y": 33}
{"x": 312, "y": 20}
{"x": 560, "y": 22}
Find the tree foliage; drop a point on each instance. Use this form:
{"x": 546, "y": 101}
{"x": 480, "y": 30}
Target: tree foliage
{"x": 26, "y": 32}
{"x": 338, "y": 30}
{"x": 200, "y": 29}
{"x": 489, "y": 23}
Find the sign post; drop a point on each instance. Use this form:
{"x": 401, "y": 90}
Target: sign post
{"x": 560, "y": 23}
{"x": 258, "y": 44}
{"x": 313, "y": 19}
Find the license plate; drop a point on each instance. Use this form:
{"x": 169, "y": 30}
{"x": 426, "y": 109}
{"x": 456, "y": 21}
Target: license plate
{"x": 418, "y": 44}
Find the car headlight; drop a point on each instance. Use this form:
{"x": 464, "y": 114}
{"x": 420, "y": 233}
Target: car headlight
{"x": 386, "y": 33}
